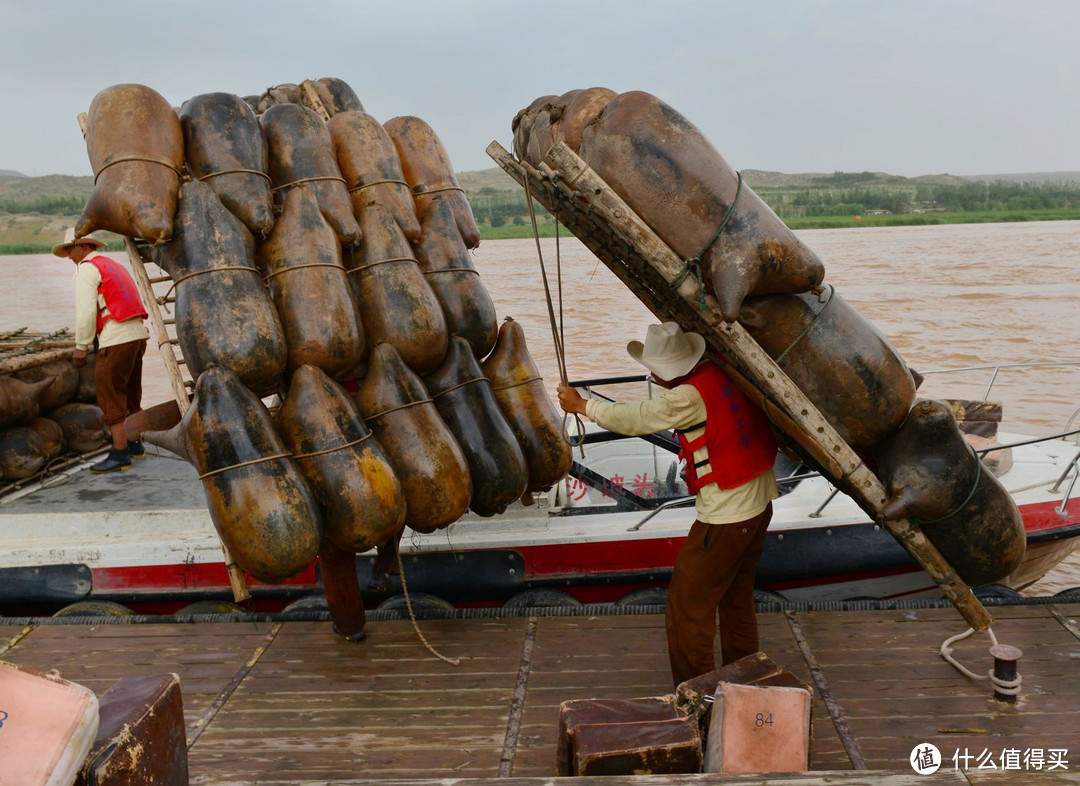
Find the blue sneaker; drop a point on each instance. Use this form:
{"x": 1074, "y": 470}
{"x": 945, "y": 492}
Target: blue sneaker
{"x": 136, "y": 449}
{"x": 116, "y": 461}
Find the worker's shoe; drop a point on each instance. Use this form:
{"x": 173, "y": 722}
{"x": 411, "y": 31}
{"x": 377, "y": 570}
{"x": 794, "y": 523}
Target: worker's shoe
{"x": 116, "y": 461}
{"x": 136, "y": 449}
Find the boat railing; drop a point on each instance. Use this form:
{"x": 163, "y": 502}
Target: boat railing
{"x": 1072, "y": 468}
{"x": 995, "y": 369}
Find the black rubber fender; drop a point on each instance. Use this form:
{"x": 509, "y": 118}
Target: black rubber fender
{"x": 95, "y": 608}
{"x": 542, "y": 599}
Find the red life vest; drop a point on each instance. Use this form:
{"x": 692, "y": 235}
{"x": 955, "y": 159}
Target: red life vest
{"x": 739, "y": 445}
{"x": 119, "y": 290}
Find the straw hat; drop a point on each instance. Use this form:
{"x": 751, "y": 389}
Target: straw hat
{"x": 668, "y": 352}
{"x": 70, "y": 241}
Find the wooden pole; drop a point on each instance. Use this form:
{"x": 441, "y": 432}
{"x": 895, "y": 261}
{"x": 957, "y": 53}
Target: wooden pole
{"x": 579, "y": 198}
{"x": 180, "y": 391}
{"x": 10, "y": 365}
{"x": 157, "y": 322}
{"x": 312, "y": 100}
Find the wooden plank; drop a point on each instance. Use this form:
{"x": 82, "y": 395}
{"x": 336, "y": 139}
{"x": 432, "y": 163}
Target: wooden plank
{"x": 642, "y": 261}
{"x": 312, "y": 100}
{"x": 825, "y": 778}
{"x": 317, "y": 709}
{"x": 10, "y": 365}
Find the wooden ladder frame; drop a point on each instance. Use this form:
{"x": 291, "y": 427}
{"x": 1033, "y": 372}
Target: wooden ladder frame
{"x": 580, "y": 199}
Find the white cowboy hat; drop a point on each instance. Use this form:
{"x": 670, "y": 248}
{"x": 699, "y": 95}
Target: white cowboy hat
{"x": 668, "y": 352}
{"x": 70, "y": 241}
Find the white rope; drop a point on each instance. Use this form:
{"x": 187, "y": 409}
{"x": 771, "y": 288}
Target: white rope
{"x": 1004, "y": 687}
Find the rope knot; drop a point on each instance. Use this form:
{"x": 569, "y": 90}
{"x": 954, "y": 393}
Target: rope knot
{"x": 692, "y": 264}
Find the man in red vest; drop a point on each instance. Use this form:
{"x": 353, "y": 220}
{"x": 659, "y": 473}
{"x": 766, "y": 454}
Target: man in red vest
{"x": 729, "y": 452}
{"x": 109, "y": 314}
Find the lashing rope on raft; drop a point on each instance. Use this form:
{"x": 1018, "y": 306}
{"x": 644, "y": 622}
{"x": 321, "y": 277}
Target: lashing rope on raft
{"x": 303, "y": 180}
{"x": 146, "y": 159}
{"x": 163, "y": 300}
{"x": 236, "y": 172}
{"x": 374, "y": 183}
{"x": 269, "y": 276}
{"x": 805, "y": 330}
{"x": 693, "y": 264}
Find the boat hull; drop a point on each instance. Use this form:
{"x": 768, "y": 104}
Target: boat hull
{"x": 574, "y": 546}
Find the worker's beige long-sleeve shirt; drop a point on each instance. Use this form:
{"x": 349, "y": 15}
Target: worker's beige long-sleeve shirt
{"x": 87, "y": 303}
{"x": 680, "y": 408}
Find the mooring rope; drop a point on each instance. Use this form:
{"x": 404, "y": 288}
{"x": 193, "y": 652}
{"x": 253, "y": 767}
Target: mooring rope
{"x": 412, "y": 614}
{"x": 1002, "y": 686}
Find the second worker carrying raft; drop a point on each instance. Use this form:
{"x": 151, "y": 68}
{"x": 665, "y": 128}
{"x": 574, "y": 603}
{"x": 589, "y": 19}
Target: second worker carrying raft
{"x": 109, "y": 316}
{"x": 729, "y": 453}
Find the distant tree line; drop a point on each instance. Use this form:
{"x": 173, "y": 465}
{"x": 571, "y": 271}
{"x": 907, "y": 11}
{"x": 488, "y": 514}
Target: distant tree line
{"x": 849, "y": 202}
{"x": 997, "y": 196}
{"x": 50, "y": 206}
{"x": 1002, "y": 195}
{"x": 499, "y": 208}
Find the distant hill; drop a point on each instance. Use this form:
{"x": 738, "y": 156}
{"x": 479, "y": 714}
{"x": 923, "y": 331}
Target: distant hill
{"x": 758, "y": 179}
{"x": 15, "y": 186}
{"x": 19, "y": 188}
{"x": 1029, "y": 177}
{"x": 761, "y": 179}
{"x": 493, "y": 178}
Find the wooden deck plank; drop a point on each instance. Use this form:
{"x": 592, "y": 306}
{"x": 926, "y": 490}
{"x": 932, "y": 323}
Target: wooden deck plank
{"x": 897, "y": 692}
{"x": 317, "y": 709}
{"x": 830, "y": 778}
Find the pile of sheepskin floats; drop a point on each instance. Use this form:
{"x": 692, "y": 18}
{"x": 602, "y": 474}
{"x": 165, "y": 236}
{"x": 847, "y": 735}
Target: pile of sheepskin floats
{"x": 762, "y": 275}
{"x": 327, "y": 262}
{"x": 45, "y": 411}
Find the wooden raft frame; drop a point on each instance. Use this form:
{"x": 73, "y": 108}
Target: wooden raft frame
{"x": 169, "y": 348}
{"x": 580, "y": 199}
{"x": 21, "y": 349}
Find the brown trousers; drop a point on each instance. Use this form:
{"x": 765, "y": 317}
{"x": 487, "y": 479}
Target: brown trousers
{"x": 714, "y": 578}
{"x": 118, "y": 380}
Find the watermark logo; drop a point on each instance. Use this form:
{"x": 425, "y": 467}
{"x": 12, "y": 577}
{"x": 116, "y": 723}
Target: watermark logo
{"x": 925, "y": 758}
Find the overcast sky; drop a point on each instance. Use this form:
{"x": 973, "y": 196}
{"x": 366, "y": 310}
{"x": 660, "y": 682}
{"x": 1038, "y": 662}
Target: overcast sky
{"x": 909, "y": 87}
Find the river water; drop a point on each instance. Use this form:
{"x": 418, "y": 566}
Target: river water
{"x": 946, "y": 297}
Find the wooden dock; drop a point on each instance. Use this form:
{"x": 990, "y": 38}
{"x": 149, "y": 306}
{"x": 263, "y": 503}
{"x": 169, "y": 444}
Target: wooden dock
{"x": 273, "y": 702}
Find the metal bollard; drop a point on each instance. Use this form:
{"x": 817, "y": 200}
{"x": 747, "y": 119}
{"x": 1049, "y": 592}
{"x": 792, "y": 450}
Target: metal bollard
{"x": 1004, "y": 677}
